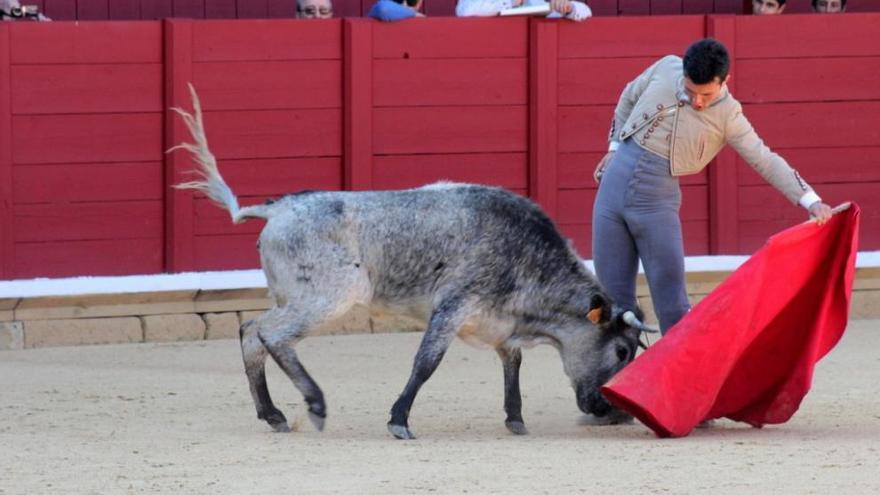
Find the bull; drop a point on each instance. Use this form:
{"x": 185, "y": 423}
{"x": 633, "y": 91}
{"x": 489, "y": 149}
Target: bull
{"x": 476, "y": 262}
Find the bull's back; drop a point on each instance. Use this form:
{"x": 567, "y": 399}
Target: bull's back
{"x": 413, "y": 242}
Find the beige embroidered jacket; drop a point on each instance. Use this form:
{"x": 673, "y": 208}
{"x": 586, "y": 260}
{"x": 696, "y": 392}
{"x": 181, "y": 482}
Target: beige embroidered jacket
{"x": 697, "y": 136}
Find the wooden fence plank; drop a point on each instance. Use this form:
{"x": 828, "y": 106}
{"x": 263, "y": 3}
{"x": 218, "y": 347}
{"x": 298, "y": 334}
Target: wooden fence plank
{"x": 7, "y": 246}
{"x": 86, "y": 138}
{"x": 94, "y": 258}
{"x": 268, "y": 85}
{"x": 452, "y": 38}
{"x": 851, "y": 35}
{"x": 807, "y": 79}
{"x": 820, "y": 124}
{"x": 112, "y": 220}
{"x": 604, "y": 38}
{"x": 598, "y": 81}
{"x": 178, "y": 246}
{"x": 543, "y": 120}
{"x": 450, "y": 129}
{"x": 764, "y": 212}
{"x": 73, "y": 182}
{"x": 824, "y": 165}
{"x": 275, "y": 133}
{"x": 476, "y": 81}
{"x": 251, "y": 40}
{"x": 584, "y": 128}
{"x": 212, "y": 252}
{"x": 86, "y": 43}
{"x": 91, "y": 88}
{"x": 357, "y": 87}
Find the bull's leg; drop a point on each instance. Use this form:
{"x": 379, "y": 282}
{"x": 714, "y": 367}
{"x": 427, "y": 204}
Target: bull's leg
{"x": 511, "y": 358}
{"x": 279, "y": 332}
{"x": 441, "y": 330}
{"x": 254, "y": 354}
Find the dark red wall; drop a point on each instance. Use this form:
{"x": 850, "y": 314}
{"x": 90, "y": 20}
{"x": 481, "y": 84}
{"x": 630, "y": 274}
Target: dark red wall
{"x": 245, "y": 9}
{"x": 357, "y": 104}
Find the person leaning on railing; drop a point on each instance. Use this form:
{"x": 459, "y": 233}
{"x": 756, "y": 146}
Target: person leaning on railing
{"x": 569, "y": 9}
{"x": 395, "y": 10}
{"x": 12, "y": 10}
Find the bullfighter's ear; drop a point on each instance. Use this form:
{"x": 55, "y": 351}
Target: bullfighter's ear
{"x": 599, "y": 310}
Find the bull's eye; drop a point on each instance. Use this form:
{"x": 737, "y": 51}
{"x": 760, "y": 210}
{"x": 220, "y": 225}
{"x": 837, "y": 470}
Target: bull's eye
{"x": 622, "y": 353}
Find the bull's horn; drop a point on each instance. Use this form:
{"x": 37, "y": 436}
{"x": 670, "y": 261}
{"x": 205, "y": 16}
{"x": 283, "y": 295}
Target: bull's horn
{"x": 632, "y": 320}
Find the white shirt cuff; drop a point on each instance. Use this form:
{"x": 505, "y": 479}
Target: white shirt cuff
{"x": 613, "y": 145}
{"x": 809, "y": 198}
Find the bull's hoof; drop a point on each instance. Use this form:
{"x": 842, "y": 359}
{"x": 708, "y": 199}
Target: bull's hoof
{"x": 276, "y": 420}
{"x": 615, "y": 417}
{"x": 280, "y": 427}
{"x": 516, "y": 427}
{"x": 317, "y": 420}
{"x": 400, "y": 432}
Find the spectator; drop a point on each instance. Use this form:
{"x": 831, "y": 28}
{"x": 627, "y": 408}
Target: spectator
{"x": 395, "y": 10}
{"x": 314, "y": 9}
{"x": 767, "y": 7}
{"x": 12, "y": 10}
{"x": 570, "y": 9}
{"x": 829, "y": 6}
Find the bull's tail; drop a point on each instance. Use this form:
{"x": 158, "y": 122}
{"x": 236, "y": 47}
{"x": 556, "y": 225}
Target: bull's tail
{"x": 212, "y": 183}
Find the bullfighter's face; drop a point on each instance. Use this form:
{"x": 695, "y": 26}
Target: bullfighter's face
{"x": 702, "y": 95}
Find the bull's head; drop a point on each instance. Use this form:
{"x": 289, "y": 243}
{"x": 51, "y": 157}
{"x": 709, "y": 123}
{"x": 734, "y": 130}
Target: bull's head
{"x": 592, "y": 356}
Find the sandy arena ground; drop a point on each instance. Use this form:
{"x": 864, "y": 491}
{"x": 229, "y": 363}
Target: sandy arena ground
{"x": 178, "y": 418}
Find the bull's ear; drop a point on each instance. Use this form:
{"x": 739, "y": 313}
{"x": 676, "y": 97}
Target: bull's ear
{"x": 600, "y": 310}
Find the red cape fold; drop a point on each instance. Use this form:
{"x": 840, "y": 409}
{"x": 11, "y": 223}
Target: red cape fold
{"x": 747, "y": 351}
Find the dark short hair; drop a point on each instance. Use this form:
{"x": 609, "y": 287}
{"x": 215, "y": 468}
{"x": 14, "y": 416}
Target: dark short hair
{"x": 705, "y": 60}
{"x": 842, "y": 3}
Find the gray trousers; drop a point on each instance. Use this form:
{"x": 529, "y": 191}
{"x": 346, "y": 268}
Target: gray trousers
{"x": 635, "y": 216}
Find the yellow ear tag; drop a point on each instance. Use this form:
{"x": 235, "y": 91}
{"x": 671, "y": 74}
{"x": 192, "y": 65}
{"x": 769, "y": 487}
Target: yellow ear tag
{"x": 594, "y": 315}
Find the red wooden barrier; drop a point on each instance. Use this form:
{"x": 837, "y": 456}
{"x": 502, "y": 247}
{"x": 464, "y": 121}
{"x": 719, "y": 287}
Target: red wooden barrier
{"x": 85, "y": 148}
{"x": 357, "y": 104}
{"x": 812, "y": 95}
{"x": 262, "y": 9}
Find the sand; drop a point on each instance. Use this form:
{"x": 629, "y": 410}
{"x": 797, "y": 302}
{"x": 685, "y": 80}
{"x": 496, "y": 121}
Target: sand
{"x": 178, "y": 418}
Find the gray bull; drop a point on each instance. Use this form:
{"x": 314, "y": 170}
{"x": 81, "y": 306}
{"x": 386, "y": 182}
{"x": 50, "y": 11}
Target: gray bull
{"x": 473, "y": 261}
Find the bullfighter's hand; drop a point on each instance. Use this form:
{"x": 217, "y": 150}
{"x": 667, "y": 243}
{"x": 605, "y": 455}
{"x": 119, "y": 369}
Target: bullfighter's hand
{"x": 603, "y": 164}
{"x": 820, "y": 211}
{"x": 516, "y": 3}
{"x": 561, "y": 6}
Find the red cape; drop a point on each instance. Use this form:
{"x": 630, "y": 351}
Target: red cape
{"x": 747, "y": 351}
